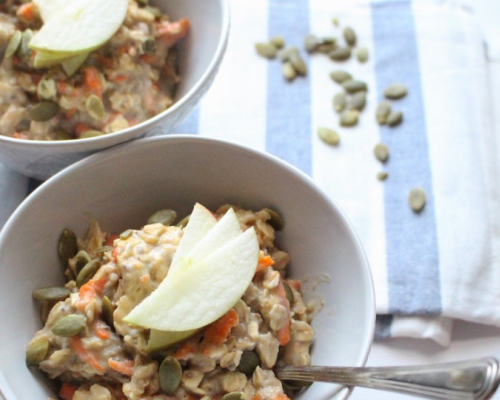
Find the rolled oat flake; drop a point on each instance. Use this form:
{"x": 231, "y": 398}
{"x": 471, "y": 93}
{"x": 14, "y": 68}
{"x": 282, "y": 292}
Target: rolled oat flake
{"x": 417, "y": 199}
{"x": 381, "y": 152}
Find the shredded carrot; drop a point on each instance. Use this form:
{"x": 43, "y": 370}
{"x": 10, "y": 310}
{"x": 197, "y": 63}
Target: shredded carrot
{"x": 171, "y": 32}
{"x": 85, "y": 355}
{"x": 68, "y": 114}
{"x": 27, "y": 11}
{"x": 257, "y": 397}
{"x": 110, "y": 238}
{"x": 80, "y": 127}
{"x": 217, "y": 332}
{"x": 119, "y": 78}
{"x": 67, "y": 391}
{"x": 281, "y": 396}
{"x": 93, "y": 81}
{"x": 184, "y": 350}
{"x": 264, "y": 262}
{"x": 101, "y": 330}
{"x": 106, "y": 62}
{"x": 90, "y": 290}
{"x": 283, "y": 333}
{"x": 125, "y": 367}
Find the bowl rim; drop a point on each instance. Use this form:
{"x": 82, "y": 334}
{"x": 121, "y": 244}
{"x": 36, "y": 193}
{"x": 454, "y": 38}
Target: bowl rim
{"x": 178, "y": 138}
{"x": 129, "y": 133}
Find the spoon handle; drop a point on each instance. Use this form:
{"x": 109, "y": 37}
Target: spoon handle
{"x": 465, "y": 380}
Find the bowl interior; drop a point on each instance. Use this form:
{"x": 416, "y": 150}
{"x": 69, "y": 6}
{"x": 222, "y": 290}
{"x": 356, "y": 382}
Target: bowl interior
{"x": 121, "y": 187}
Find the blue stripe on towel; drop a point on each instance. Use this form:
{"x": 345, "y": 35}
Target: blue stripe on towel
{"x": 412, "y": 246}
{"x": 191, "y": 124}
{"x": 288, "y": 130}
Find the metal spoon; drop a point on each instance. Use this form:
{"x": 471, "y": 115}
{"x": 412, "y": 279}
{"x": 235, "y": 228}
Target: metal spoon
{"x": 465, "y": 380}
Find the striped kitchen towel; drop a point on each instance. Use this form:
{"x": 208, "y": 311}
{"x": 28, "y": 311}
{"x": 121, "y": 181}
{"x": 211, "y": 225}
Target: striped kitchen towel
{"x": 429, "y": 267}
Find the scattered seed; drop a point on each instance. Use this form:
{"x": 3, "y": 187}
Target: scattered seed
{"x": 24, "y": 50}
{"x": 395, "y": 91}
{"x": 51, "y": 293}
{"x": 44, "y": 111}
{"x": 287, "y": 52}
{"x": 335, "y": 21}
{"x": 67, "y": 246}
{"x": 234, "y": 396}
{"x": 349, "y": 118}
{"x": 14, "y": 43}
{"x": 82, "y": 259}
{"x": 277, "y": 41}
{"x": 288, "y": 71}
{"x": 69, "y": 325}
{"x": 170, "y": 374}
{"x": 395, "y": 118}
{"x": 276, "y": 221}
{"x": 46, "y": 88}
{"x": 94, "y": 107}
{"x": 165, "y": 217}
{"x": 298, "y": 63}
{"x": 340, "y": 76}
{"x": 382, "y": 176}
{"x": 296, "y": 384}
{"x": 358, "y": 101}
{"x": 107, "y": 311}
{"x": 340, "y": 54}
{"x": 417, "y": 199}
{"x": 382, "y": 112}
{"x": 248, "y": 362}
{"x": 289, "y": 292}
{"x": 381, "y": 152}
{"x": 362, "y": 54}
{"x": 327, "y": 45}
{"x": 349, "y": 36}
{"x": 310, "y": 43}
{"x": 329, "y": 136}
{"x": 354, "y": 86}
{"x": 36, "y": 352}
{"x": 340, "y": 102}
{"x": 266, "y": 50}
{"x": 183, "y": 222}
{"x": 87, "y": 272}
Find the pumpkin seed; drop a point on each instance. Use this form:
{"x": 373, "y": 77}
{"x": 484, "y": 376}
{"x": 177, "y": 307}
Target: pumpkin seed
{"x": 395, "y": 91}
{"x": 287, "y": 52}
{"x": 184, "y": 221}
{"x": 277, "y": 41}
{"x": 37, "y": 351}
{"x": 311, "y": 42}
{"x": 289, "y": 292}
{"x": 149, "y": 46}
{"x": 417, "y": 199}
{"x": 295, "y": 384}
{"x": 44, "y": 111}
{"x": 266, "y": 50}
{"x": 62, "y": 135}
{"x": 358, "y": 101}
{"x": 382, "y": 112}
{"x": 298, "y": 63}
{"x": 69, "y": 325}
{"x": 288, "y": 71}
{"x": 362, "y": 54}
{"x": 335, "y": 21}
{"x": 382, "y": 176}
{"x": 170, "y": 374}
{"x": 67, "y": 246}
{"x": 349, "y": 118}
{"x": 234, "y": 396}
{"x": 395, "y": 118}
{"x": 327, "y": 45}
{"x": 354, "y": 86}
{"x": 87, "y": 272}
{"x": 275, "y": 221}
{"x": 24, "y": 51}
{"x": 340, "y": 102}
{"x": 107, "y": 311}
{"x": 46, "y": 309}
{"x": 13, "y": 45}
{"x": 248, "y": 362}
{"x": 46, "y": 88}
{"x": 340, "y": 76}
{"x": 381, "y": 152}
{"x": 94, "y": 107}
{"x": 329, "y": 136}
{"x": 82, "y": 259}
{"x": 51, "y": 293}
{"x": 340, "y": 54}
{"x": 349, "y": 36}
{"x": 90, "y": 134}
{"x": 165, "y": 217}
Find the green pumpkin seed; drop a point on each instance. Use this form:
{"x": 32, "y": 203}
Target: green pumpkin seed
{"x": 149, "y": 46}
{"x": 94, "y": 107}
{"x": 326, "y": 45}
{"x": 295, "y": 384}
{"x": 362, "y": 54}
{"x": 382, "y": 176}
{"x": 266, "y": 50}
{"x": 417, "y": 199}
{"x": 37, "y": 351}
{"x": 46, "y": 88}
{"x": 107, "y": 311}
{"x": 287, "y": 52}
{"x": 349, "y": 118}
{"x": 45, "y": 310}
{"x": 288, "y": 71}
{"x": 340, "y": 102}
{"x": 67, "y": 246}
{"x": 13, "y": 45}
{"x": 69, "y": 325}
{"x": 381, "y": 152}
{"x": 184, "y": 221}
{"x": 382, "y": 112}
{"x": 395, "y": 91}
{"x": 275, "y": 221}
{"x": 234, "y": 396}
{"x": 395, "y": 118}
{"x": 87, "y": 272}
{"x": 165, "y": 217}
{"x": 349, "y": 36}
{"x": 82, "y": 259}
{"x": 335, "y": 21}
{"x": 311, "y": 42}
{"x": 298, "y": 63}
{"x": 277, "y": 41}
{"x": 340, "y": 54}
{"x": 289, "y": 292}
{"x": 354, "y": 86}
{"x": 51, "y": 293}
{"x": 90, "y": 134}
{"x": 340, "y": 76}
{"x": 24, "y": 51}
{"x": 170, "y": 374}
{"x": 248, "y": 362}
{"x": 61, "y": 135}
{"x": 358, "y": 101}
{"x": 329, "y": 136}
{"x": 44, "y": 111}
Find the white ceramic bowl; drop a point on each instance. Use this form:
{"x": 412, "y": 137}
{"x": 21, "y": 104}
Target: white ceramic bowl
{"x": 122, "y": 186}
{"x": 201, "y": 53}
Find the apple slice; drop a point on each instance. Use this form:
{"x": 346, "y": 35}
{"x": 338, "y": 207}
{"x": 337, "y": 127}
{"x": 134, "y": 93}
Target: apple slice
{"x": 159, "y": 340}
{"x": 80, "y": 27}
{"x": 194, "y": 297}
{"x": 44, "y": 59}
{"x": 72, "y": 65}
{"x": 226, "y": 229}
{"x": 49, "y": 8}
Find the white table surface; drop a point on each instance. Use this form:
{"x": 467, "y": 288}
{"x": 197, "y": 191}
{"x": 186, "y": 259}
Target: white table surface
{"x": 468, "y": 340}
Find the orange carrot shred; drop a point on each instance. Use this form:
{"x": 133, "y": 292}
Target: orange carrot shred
{"x": 86, "y": 355}
{"x": 125, "y": 367}
{"x": 281, "y": 396}
{"x": 283, "y": 334}
{"x": 90, "y": 290}
{"x": 101, "y": 330}
{"x": 110, "y": 238}
{"x": 184, "y": 350}
{"x": 171, "y": 32}
{"x": 264, "y": 262}
{"x": 217, "y": 332}
{"x": 27, "y": 11}
{"x": 67, "y": 391}
{"x": 93, "y": 81}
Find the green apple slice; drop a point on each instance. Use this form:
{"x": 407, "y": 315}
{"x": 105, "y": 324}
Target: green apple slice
{"x": 44, "y": 59}
{"x": 159, "y": 340}
{"x": 50, "y": 8}
{"x": 226, "y": 229}
{"x": 71, "y": 66}
{"x": 197, "y": 296}
{"x": 81, "y": 26}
